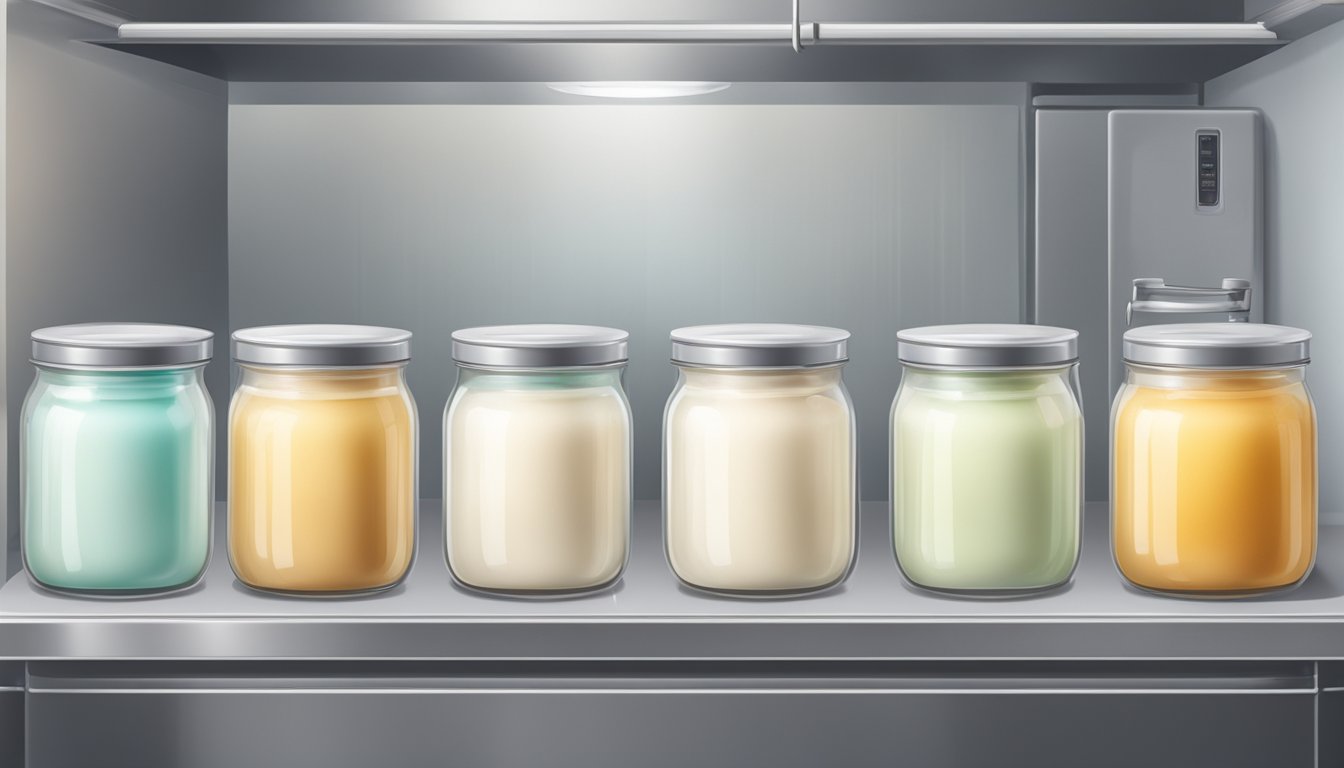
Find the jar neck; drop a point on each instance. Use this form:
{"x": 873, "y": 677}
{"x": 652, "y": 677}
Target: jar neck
{"x": 319, "y": 381}
{"x": 1006, "y": 380}
{"x": 128, "y": 379}
{"x": 541, "y": 378}
{"x": 767, "y": 379}
{"x": 1211, "y": 378}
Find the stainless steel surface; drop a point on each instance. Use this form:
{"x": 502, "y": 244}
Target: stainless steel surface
{"x": 810, "y": 31}
{"x": 759, "y": 345}
{"x": 1156, "y": 227}
{"x": 1044, "y": 33}
{"x": 1133, "y": 62}
{"x": 620, "y": 717}
{"x": 664, "y": 10}
{"x": 432, "y": 217}
{"x": 1295, "y": 91}
{"x": 1293, "y": 19}
{"x": 473, "y": 32}
{"x": 1217, "y": 345}
{"x": 648, "y": 616}
{"x": 540, "y": 346}
{"x": 12, "y": 724}
{"x": 121, "y": 345}
{"x": 1071, "y": 271}
{"x": 987, "y": 346}
{"x": 119, "y": 172}
{"x": 322, "y": 345}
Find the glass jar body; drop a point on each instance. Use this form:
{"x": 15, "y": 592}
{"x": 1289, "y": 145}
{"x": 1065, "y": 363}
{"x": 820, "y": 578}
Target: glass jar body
{"x": 760, "y": 480}
{"x": 322, "y": 466}
{"x": 537, "y": 480}
{"x": 117, "y": 479}
{"x": 987, "y": 479}
{"x": 1213, "y": 480}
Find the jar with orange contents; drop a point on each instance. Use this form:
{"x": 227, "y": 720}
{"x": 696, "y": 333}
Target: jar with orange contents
{"x": 1214, "y": 460}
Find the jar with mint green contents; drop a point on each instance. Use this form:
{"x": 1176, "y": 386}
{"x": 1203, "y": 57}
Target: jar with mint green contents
{"x": 987, "y": 453}
{"x": 116, "y": 459}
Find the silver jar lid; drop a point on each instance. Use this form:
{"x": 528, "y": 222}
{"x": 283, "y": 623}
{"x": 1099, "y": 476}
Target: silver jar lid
{"x": 322, "y": 346}
{"x": 1217, "y": 345}
{"x": 540, "y": 346}
{"x": 987, "y": 345}
{"x": 759, "y": 345}
{"x": 121, "y": 345}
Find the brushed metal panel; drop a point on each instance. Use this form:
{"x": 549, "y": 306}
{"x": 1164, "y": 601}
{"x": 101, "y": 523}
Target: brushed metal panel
{"x": 1071, "y": 271}
{"x": 658, "y": 728}
{"x": 1156, "y": 228}
{"x": 435, "y": 217}
{"x": 1297, "y": 92}
{"x": 117, "y": 198}
{"x": 12, "y": 726}
{"x": 648, "y": 616}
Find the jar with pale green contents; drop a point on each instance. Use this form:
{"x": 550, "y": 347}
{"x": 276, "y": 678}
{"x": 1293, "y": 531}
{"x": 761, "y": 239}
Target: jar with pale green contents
{"x": 987, "y": 453}
{"x": 116, "y": 459}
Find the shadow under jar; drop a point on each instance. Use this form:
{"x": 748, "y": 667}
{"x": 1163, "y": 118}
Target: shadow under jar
{"x": 1214, "y": 476}
{"x": 117, "y": 459}
{"x": 537, "y": 447}
{"x": 987, "y": 453}
{"x": 760, "y": 474}
{"x": 322, "y": 459}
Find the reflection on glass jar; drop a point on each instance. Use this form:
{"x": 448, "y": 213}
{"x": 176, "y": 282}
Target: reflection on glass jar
{"x": 322, "y": 459}
{"x": 1214, "y": 478}
{"x": 760, "y": 472}
{"x": 117, "y": 464}
{"x": 537, "y": 453}
{"x": 987, "y": 448}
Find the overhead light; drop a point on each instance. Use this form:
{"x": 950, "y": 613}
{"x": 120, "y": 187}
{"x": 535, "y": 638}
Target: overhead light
{"x": 639, "y": 89}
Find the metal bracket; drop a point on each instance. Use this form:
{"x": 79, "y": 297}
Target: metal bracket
{"x": 797, "y": 27}
{"x": 1152, "y": 294}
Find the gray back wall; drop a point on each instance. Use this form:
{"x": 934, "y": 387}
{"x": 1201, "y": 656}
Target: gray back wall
{"x": 434, "y": 217}
{"x": 116, "y": 174}
{"x": 1300, "y": 90}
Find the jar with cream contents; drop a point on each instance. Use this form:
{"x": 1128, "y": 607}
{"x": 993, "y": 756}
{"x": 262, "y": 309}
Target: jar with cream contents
{"x": 1214, "y": 473}
{"x": 759, "y": 449}
{"x": 987, "y": 453}
{"x": 322, "y": 459}
{"x": 537, "y": 453}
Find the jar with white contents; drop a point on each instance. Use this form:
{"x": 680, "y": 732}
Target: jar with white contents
{"x": 760, "y": 472}
{"x": 537, "y": 453}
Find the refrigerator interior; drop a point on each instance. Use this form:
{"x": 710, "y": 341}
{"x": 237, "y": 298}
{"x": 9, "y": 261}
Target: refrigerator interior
{"x": 226, "y": 182}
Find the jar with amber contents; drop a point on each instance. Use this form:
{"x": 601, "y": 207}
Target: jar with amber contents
{"x": 322, "y": 459}
{"x": 1214, "y": 459}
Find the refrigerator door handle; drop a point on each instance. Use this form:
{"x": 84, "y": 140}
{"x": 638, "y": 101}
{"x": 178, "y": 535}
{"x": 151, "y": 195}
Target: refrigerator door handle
{"x": 1152, "y": 294}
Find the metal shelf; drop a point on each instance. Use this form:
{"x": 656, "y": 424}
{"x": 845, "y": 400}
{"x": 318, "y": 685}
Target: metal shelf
{"x": 650, "y": 616}
{"x": 1150, "y": 44}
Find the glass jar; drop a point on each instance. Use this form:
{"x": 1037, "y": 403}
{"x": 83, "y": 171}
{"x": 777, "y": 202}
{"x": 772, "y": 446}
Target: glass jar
{"x": 987, "y": 455}
{"x": 322, "y": 459}
{"x": 760, "y": 473}
{"x": 117, "y": 459}
{"x": 1214, "y": 464}
{"x": 537, "y": 454}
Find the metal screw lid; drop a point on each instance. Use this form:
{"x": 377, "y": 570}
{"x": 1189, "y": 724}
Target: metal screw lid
{"x": 987, "y": 345}
{"x": 121, "y": 345}
{"x": 1217, "y": 345}
{"x": 540, "y": 346}
{"x": 759, "y": 345}
{"x": 335, "y": 346}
